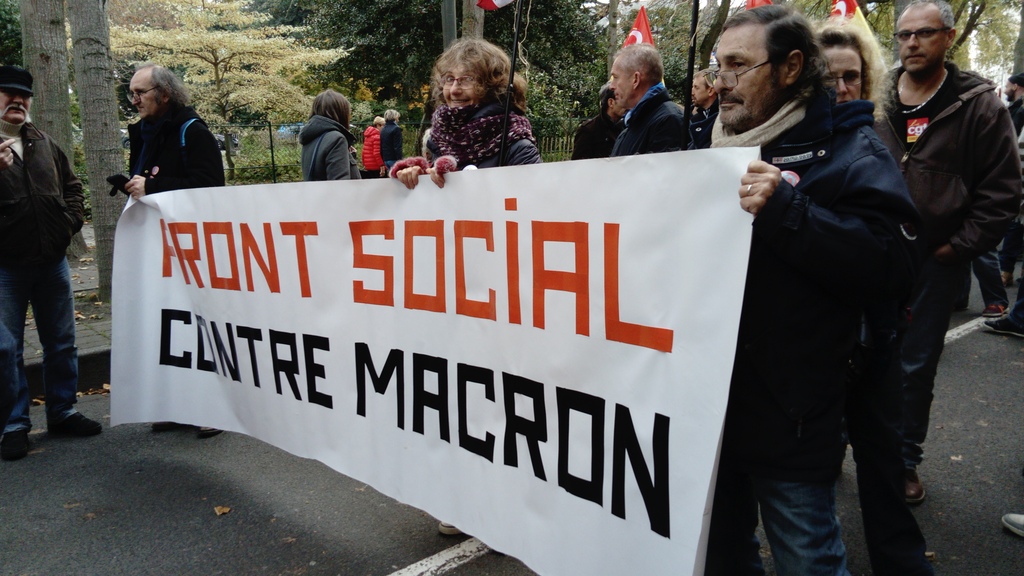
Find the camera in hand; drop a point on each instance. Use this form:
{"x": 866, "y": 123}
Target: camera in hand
{"x": 117, "y": 182}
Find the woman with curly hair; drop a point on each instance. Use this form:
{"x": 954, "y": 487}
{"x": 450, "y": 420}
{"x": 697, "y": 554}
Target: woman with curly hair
{"x": 470, "y": 87}
{"x": 856, "y": 62}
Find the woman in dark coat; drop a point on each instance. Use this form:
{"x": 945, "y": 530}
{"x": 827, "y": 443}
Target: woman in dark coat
{"x": 327, "y": 152}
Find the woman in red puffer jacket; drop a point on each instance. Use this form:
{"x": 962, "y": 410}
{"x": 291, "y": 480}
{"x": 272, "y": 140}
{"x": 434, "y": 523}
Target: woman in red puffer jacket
{"x": 373, "y": 163}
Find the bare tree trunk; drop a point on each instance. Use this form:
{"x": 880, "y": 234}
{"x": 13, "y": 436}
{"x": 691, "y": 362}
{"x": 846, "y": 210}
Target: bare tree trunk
{"x": 45, "y": 49}
{"x": 613, "y": 32}
{"x": 95, "y": 81}
{"x": 1018, "y": 46}
{"x": 967, "y": 28}
{"x": 472, "y": 20}
{"x": 898, "y": 6}
{"x": 715, "y": 30}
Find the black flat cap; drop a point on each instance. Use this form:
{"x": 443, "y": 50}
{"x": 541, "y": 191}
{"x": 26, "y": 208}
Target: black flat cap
{"x": 15, "y": 78}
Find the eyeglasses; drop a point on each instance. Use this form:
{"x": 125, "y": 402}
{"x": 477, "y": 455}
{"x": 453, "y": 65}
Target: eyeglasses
{"x": 730, "y": 78}
{"x": 134, "y": 95}
{"x": 851, "y": 78}
{"x": 710, "y": 76}
{"x": 464, "y": 81}
{"x": 921, "y": 33}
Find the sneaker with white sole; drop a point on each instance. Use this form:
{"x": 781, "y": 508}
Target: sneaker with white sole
{"x": 1014, "y": 523}
{"x": 1005, "y": 325}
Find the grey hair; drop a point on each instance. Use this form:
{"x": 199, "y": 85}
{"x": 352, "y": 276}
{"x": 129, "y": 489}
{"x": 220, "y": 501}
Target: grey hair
{"x": 645, "y": 59}
{"x": 391, "y": 114}
{"x": 168, "y": 83}
{"x": 423, "y": 144}
{"x": 945, "y": 10}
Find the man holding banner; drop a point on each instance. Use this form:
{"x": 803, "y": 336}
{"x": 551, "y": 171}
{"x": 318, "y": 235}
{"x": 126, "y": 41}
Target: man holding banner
{"x": 832, "y": 229}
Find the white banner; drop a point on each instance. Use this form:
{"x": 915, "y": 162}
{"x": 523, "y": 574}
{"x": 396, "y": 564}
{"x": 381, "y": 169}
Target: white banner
{"x": 539, "y": 355}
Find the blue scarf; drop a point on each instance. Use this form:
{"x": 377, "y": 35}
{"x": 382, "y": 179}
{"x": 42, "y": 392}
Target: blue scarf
{"x": 651, "y": 93}
{"x": 147, "y": 131}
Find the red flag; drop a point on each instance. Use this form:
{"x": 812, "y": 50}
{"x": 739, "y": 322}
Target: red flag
{"x": 493, "y": 4}
{"x": 756, "y": 3}
{"x": 849, "y": 11}
{"x": 641, "y": 32}
{"x": 842, "y": 8}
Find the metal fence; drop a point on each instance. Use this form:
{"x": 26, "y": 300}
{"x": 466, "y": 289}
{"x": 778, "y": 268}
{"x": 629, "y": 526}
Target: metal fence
{"x": 264, "y": 153}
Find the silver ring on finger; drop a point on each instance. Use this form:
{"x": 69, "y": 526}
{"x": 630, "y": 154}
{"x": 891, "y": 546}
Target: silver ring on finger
{"x": 749, "y": 186}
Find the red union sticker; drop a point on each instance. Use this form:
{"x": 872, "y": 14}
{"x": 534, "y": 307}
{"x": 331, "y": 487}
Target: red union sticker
{"x": 791, "y": 177}
{"x": 915, "y": 127}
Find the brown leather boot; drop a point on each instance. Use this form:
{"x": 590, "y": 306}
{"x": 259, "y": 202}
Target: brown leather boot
{"x": 913, "y": 488}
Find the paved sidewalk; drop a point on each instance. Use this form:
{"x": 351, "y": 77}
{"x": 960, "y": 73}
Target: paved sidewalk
{"x": 92, "y": 326}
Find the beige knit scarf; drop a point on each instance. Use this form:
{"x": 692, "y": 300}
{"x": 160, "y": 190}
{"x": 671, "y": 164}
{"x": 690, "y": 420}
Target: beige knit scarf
{"x": 8, "y": 131}
{"x": 788, "y": 116}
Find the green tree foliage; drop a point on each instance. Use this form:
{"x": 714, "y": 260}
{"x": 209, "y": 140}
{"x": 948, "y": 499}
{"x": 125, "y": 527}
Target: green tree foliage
{"x": 235, "y": 63}
{"x": 10, "y": 32}
{"x": 283, "y": 12}
{"x": 392, "y": 45}
{"x": 563, "y": 42}
{"x": 994, "y": 40}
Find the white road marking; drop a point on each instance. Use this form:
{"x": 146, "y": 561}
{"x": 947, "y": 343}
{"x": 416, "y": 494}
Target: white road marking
{"x": 965, "y": 329}
{"x": 446, "y": 560}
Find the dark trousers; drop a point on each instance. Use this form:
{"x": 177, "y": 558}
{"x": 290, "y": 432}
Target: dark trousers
{"x": 1013, "y": 245}
{"x": 873, "y": 419}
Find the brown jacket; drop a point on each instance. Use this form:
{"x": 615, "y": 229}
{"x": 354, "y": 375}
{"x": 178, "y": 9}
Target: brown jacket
{"x": 964, "y": 172}
{"x": 41, "y": 203}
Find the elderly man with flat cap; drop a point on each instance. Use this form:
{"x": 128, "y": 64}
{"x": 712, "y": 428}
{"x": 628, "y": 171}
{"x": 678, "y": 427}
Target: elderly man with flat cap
{"x": 41, "y": 208}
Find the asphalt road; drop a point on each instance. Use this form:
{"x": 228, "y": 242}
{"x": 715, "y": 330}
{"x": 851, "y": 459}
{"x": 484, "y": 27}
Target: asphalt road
{"x": 133, "y": 502}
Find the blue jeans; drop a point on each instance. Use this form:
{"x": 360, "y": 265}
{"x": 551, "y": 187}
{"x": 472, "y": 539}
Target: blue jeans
{"x": 8, "y": 374}
{"x": 931, "y": 306}
{"x": 873, "y": 419}
{"x": 799, "y": 519}
{"x": 986, "y": 270}
{"x": 1017, "y": 313}
{"x": 48, "y": 288}
{"x": 1013, "y": 245}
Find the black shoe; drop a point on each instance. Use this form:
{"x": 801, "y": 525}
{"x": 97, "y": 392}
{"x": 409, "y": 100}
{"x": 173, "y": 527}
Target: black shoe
{"x": 75, "y": 425}
{"x": 1005, "y": 326}
{"x": 166, "y": 426}
{"x": 15, "y": 445}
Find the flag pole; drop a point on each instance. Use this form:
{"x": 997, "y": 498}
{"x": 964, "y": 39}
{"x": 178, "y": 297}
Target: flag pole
{"x": 511, "y": 82}
{"x": 690, "y": 57}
